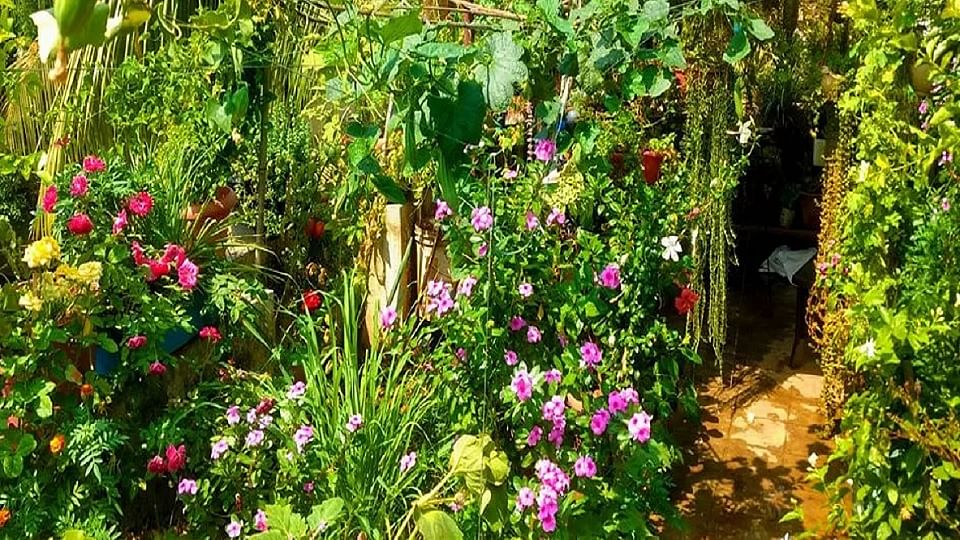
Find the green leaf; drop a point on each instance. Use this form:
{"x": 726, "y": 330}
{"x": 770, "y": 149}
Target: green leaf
{"x": 893, "y": 495}
{"x": 459, "y": 122}
{"x": 401, "y": 26}
{"x": 107, "y": 344}
{"x": 504, "y": 71}
{"x": 498, "y": 467}
{"x": 237, "y": 105}
{"x": 656, "y": 10}
{"x": 759, "y": 29}
{"x": 650, "y": 81}
{"x": 738, "y": 98}
{"x": 12, "y": 465}
{"x": 551, "y": 13}
{"x": 44, "y": 407}
{"x": 738, "y": 48}
{"x": 282, "y": 519}
{"x": 441, "y": 50}
{"x": 494, "y": 507}
{"x": 325, "y": 513}
{"x": 217, "y": 115}
{"x": 74, "y": 534}
{"x": 26, "y": 445}
{"x": 437, "y": 525}
{"x": 390, "y": 189}
{"x": 793, "y": 515}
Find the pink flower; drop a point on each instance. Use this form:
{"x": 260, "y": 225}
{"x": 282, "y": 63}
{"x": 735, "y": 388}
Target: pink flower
{"x": 254, "y": 438}
{"x": 173, "y": 254}
{"x": 466, "y": 285}
{"x": 524, "y": 498}
{"x": 534, "y": 436}
{"x": 308, "y": 487}
{"x": 157, "y": 269}
{"x": 135, "y": 342}
{"x": 599, "y": 421}
{"x": 584, "y": 467}
{"x": 233, "y": 415}
{"x": 484, "y": 248}
{"x": 187, "y": 487}
{"x": 388, "y": 316}
{"x": 176, "y": 457}
{"x": 510, "y": 174}
{"x": 297, "y": 390}
{"x": 93, "y": 164}
{"x": 923, "y": 107}
{"x": 219, "y": 448}
{"x": 639, "y": 426}
{"x": 548, "y": 523}
{"x": 303, "y": 436}
{"x": 545, "y": 149}
{"x": 234, "y": 529}
{"x": 532, "y": 221}
{"x": 629, "y": 395}
{"x": 157, "y": 369}
{"x": 525, "y": 290}
{"x": 553, "y": 409}
{"x": 156, "y": 465}
{"x": 522, "y": 385}
{"x": 50, "y": 199}
{"x": 945, "y": 204}
{"x": 435, "y": 288}
{"x": 945, "y": 157}
{"x": 610, "y": 276}
{"x": 533, "y": 334}
{"x": 562, "y": 340}
{"x": 210, "y": 333}
{"x": 408, "y": 461}
{"x": 517, "y": 323}
{"x": 187, "y": 274}
{"x": 354, "y": 423}
{"x": 590, "y": 355}
{"x": 260, "y": 520}
{"x": 137, "y": 252}
{"x": 510, "y": 357}
{"x": 140, "y": 204}
{"x": 80, "y": 224}
{"x": 442, "y": 211}
{"x": 79, "y": 186}
{"x": 553, "y": 376}
{"x": 556, "y": 217}
{"x": 616, "y": 403}
{"x": 461, "y": 354}
{"x": 556, "y": 434}
{"x": 481, "y": 218}
{"x": 120, "y": 222}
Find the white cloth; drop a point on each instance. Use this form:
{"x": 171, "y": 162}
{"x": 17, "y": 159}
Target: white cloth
{"x": 787, "y": 262}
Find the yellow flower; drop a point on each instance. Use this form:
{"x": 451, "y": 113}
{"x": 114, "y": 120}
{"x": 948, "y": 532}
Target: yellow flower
{"x": 57, "y": 443}
{"x": 66, "y": 271}
{"x": 31, "y": 301}
{"x": 41, "y": 252}
{"x": 90, "y": 272}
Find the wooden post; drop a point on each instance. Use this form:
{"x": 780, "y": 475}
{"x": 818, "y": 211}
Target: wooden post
{"x": 389, "y": 271}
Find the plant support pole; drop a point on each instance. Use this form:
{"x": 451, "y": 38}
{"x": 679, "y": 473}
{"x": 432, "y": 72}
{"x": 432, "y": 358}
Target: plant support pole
{"x": 262, "y": 164}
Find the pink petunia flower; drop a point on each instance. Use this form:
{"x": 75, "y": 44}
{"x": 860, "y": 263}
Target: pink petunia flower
{"x": 50, "y": 199}
{"x": 533, "y": 334}
{"x": 303, "y": 436}
{"x": 545, "y": 149}
{"x": 297, "y": 390}
{"x": 556, "y": 217}
{"x": 466, "y": 285}
{"x": 616, "y": 403}
{"x": 525, "y": 498}
{"x": 388, "y": 316}
{"x": 532, "y": 221}
{"x": 481, "y": 218}
{"x": 187, "y": 274}
{"x": 590, "y": 355}
{"x": 599, "y": 421}
{"x": 610, "y": 276}
{"x": 522, "y": 385}
{"x": 260, "y": 521}
{"x": 442, "y": 211}
{"x": 218, "y": 448}
{"x": 79, "y": 186}
{"x": 408, "y": 461}
{"x": 553, "y": 376}
{"x": 534, "y": 436}
{"x": 510, "y": 357}
{"x": 354, "y": 423}
{"x": 233, "y": 415}
{"x": 584, "y": 467}
{"x": 525, "y": 290}
{"x": 639, "y": 426}
{"x": 483, "y": 250}
{"x": 254, "y": 438}
{"x": 234, "y": 529}
{"x": 187, "y": 486}
{"x": 517, "y": 323}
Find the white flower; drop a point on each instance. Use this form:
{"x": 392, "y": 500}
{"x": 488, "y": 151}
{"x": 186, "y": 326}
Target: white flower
{"x": 812, "y": 460}
{"x": 552, "y": 177}
{"x": 869, "y": 349}
{"x": 745, "y": 132}
{"x": 671, "y": 248}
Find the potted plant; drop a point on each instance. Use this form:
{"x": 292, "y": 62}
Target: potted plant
{"x": 653, "y": 156}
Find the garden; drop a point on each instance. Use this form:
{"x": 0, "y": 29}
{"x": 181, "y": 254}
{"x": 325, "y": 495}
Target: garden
{"x": 475, "y": 269}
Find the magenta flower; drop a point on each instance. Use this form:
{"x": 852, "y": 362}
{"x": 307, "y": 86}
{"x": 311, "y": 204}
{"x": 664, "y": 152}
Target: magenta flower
{"x": 599, "y": 421}
{"x": 260, "y": 520}
{"x": 945, "y": 204}
{"x": 585, "y": 467}
{"x": 533, "y": 438}
{"x": 525, "y": 290}
{"x": 556, "y": 217}
{"x": 254, "y": 438}
{"x": 49, "y": 199}
{"x": 79, "y": 186}
{"x": 629, "y": 395}
{"x": 297, "y": 390}
{"x": 408, "y": 461}
{"x": 532, "y": 221}
{"x": 562, "y": 340}
{"x": 639, "y": 426}
{"x": 187, "y": 274}
{"x": 157, "y": 369}
{"x": 140, "y": 204}
{"x": 556, "y": 433}
{"x": 481, "y": 218}
{"x": 553, "y": 409}
{"x": 533, "y": 334}
{"x": 265, "y": 421}
{"x": 553, "y": 376}
{"x": 517, "y": 323}
{"x": 354, "y": 423}
{"x": 174, "y": 254}
{"x": 510, "y": 174}
{"x": 93, "y": 164}
{"x": 137, "y": 252}
{"x": 233, "y": 415}
{"x": 923, "y": 107}
{"x": 252, "y": 415}
{"x": 187, "y": 486}
{"x": 590, "y": 355}
{"x": 484, "y": 248}
{"x": 525, "y": 498}
{"x": 135, "y": 342}
{"x": 308, "y": 487}
{"x": 616, "y": 403}
{"x": 610, "y": 276}
{"x": 435, "y": 288}
{"x": 219, "y": 448}
{"x": 234, "y": 529}
{"x": 510, "y": 357}
{"x": 522, "y": 385}
{"x": 303, "y": 436}
{"x": 461, "y": 354}
{"x": 80, "y": 224}
{"x": 210, "y": 333}
{"x": 945, "y": 157}
{"x": 545, "y": 149}
{"x": 120, "y": 222}
{"x": 442, "y": 211}
{"x": 465, "y": 288}
{"x": 388, "y": 316}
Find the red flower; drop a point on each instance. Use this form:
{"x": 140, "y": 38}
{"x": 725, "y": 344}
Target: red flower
{"x": 93, "y": 164}
{"x": 210, "y": 333}
{"x": 86, "y": 390}
{"x": 173, "y": 254}
{"x": 137, "y": 252}
{"x": 140, "y": 204}
{"x": 50, "y": 199}
{"x": 311, "y": 299}
{"x": 686, "y": 300}
{"x": 136, "y": 342}
{"x": 176, "y": 458}
{"x": 157, "y": 269}
{"x": 157, "y": 369}
{"x": 265, "y": 406}
{"x": 157, "y": 465}
{"x": 80, "y": 224}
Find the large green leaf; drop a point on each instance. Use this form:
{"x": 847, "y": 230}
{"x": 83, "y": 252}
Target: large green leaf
{"x": 505, "y": 70}
{"x": 441, "y": 50}
{"x": 650, "y": 81}
{"x": 759, "y": 29}
{"x": 656, "y": 10}
{"x": 401, "y": 26}
{"x": 325, "y": 513}
{"x": 551, "y": 12}
{"x": 458, "y": 122}
{"x": 738, "y": 48}
{"x": 437, "y": 525}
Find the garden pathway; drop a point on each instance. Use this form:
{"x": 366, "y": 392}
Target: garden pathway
{"x": 746, "y": 461}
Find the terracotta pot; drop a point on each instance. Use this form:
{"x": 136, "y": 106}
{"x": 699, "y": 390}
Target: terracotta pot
{"x": 652, "y": 160}
{"x": 224, "y": 201}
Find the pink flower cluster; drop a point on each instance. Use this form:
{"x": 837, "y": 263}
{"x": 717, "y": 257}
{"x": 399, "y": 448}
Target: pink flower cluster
{"x": 554, "y": 412}
{"x": 465, "y": 288}
{"x": 590, "y": 355}
{"x": 176, "y": 459}
{"x": 522, "y": 385}
{"x": 173, "y": 256}
{"x": 610, "y": 276}
{"x": 481, "y": 218}
{"x": 440, "y": 300}
{"x": 554, "y": 483}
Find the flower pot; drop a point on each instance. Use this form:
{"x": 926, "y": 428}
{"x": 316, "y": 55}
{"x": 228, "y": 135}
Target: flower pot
{"x": 223, "y": 202}
{"x": 652, "y": 160}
